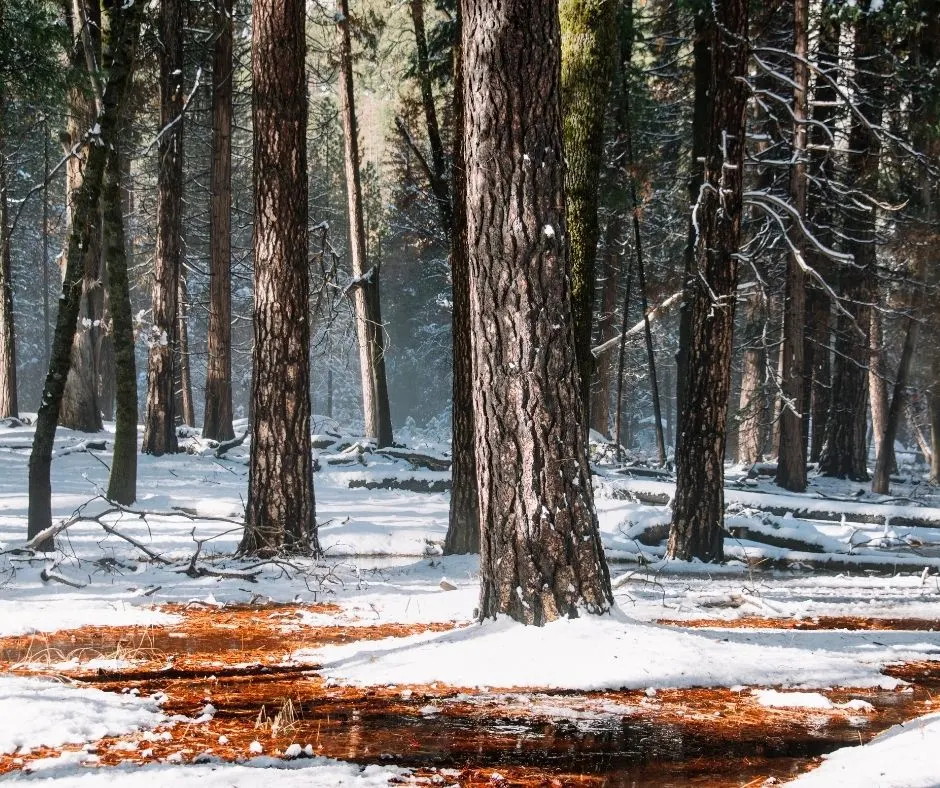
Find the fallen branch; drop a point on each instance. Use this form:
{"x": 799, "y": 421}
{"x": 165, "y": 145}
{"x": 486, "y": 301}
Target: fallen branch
{"x": 653, "y": 314}
{"x": 225, "y": 446}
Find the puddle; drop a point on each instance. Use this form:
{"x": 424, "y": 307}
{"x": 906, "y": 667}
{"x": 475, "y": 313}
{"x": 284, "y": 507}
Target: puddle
{"x": 232, "y": 658}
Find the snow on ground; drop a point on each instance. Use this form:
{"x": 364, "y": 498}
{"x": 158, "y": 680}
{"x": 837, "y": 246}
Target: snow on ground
{"x": 50, "y": 714}
{"x": 904, "y": 756}
{"x": 256, "y": 773}
{"x": 599, "y": 652}
{"x": 383, "y": 565}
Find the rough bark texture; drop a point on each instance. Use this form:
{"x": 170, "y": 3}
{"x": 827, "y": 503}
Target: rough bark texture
{"x": 463, "y": 529}
{"x": 370, "y": 332}
{"x": 541, "y": 554}
{"x": 698, "y": 507}
{"x": 122, "y": 483}
{"x": 845, "y": 452}
{"x": 701, "y": 110}
{"x": 588, "y": 48}
{"x": 160, "y": 425}
{"x": 118, "y": 56}
{"x": 80, "y": 408}
{"x": 280, "y": 514}
{"x": 752, "y": 401}
{"x": 8, "y": 399}
{"x": 217, "y": 419}
{"x": 791, "y": 455}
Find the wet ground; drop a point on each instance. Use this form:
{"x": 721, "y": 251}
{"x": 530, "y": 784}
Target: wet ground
{"x": 235, "y": 660}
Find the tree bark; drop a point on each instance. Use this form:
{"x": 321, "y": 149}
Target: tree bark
{"x": 123, "y": 25}
{"x": 845, "y": 452}
{"x": 217, "y": 419}
{"x": 698, "y": 507}
{"x": 122, "y": 483}
{"x": 280, "y": 514}
{"x": 8, "y": 399}
{"x": 878, "y": 384}
{"x": 588, "y": 48}
{"x": 365, "y": 290}
{"x": 881, "y": 481}
{"x": 752, "y": 401}
{"x": 818, "y": 335}
{"x": 541, "y": 554}
{"x": 607, "y": 327}
{"x": 701, "y": 110}
{"x": 791, "y": 453}
{"x": 160, "y": 425}
{"x": 463, "y": 530}
{"x": 184, "y": 406}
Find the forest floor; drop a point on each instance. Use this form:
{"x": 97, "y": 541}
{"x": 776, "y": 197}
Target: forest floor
{"x": 144, "y": 654}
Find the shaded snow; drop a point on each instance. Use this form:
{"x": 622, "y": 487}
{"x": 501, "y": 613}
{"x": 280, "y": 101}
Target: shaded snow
{"x": 42, "y": 713}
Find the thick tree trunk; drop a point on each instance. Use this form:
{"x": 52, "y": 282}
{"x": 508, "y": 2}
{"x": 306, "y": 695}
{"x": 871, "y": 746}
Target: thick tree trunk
{"x": 463, "y": 530}
{"x": 588, "y": 48}
{"x": 701, "y": 110}
{"x": 438, "y": 170}
{"x": 160, "y": 424}
{"x": 845, "y": 453}
{"x": 752, "y": 401}
{"x": 280, "y": 515}
{"x": 8, "y": 398}
{"x": 365, "y": 290}
{"x": 698, "y": 507}
{"x": 541, "y": 554}
{"x": 791, "y": 454}
{"x": 217, "y": 419}
{"x": 122, "y": 483}
{"x": 118, "y": 56}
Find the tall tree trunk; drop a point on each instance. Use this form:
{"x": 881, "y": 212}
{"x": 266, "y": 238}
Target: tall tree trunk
{"x": 701, "y": 111}
{"x": 280, "y": 515}
{"x": 186, "y": 408}
{"x": 217, "y": 419}
{"x": 607, "y": 327}
{"x": 885, "y": 463}
{"x": 463, "y": 530}
{"x": 122, "y": 483}
{"x": 119, "y": 43}
{"x": 878, "y": 384}
{"x": 752, "y": 401}
{"x": 8, "y": 399}
{"x": 845, "y": 453}
{"x": 46, "y": 335}
{"x": 818, "y": 334}
{"x": 698, "y": 507}
{"x": 588, "y": 48}
{"x": 365, "y": 290}
{"x": 791, "y": 454}
{"x": 160, "y": 425}
{"x": 438, "y": 169}
{"x": 541, "y": 553}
